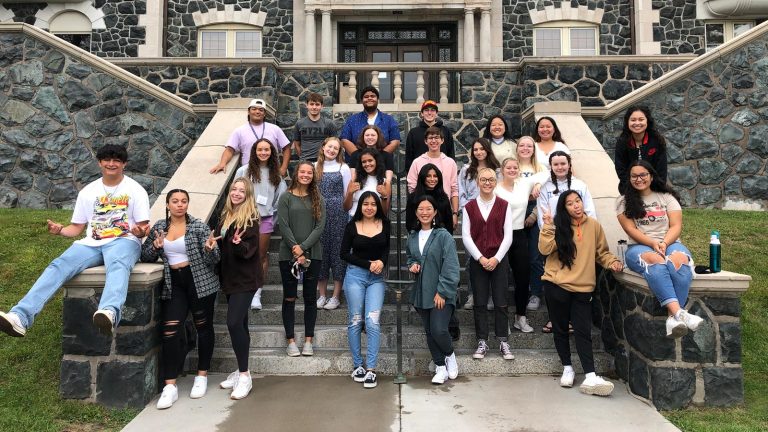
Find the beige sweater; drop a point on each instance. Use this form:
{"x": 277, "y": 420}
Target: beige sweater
{"x": 591, "y": 247}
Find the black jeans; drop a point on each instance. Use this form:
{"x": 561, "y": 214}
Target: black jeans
{"x": 309, "y": 292}
{"x": 238, "y": 308}
{"x": 174, "y": 314}
{"x": 436, "y": 326}
{"x": 565, "y": 306}
{"x": 521, "y": 269}
{"x": 493, "y": 283}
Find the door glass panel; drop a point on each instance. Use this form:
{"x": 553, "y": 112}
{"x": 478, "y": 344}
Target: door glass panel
{"x": 409, "y": 77}
{"x": 385, "y": 77}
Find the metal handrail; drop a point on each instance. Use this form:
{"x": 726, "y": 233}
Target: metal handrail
{"x": 399, "y": 283}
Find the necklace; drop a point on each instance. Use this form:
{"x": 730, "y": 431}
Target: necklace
{"x": 113, "y": 190}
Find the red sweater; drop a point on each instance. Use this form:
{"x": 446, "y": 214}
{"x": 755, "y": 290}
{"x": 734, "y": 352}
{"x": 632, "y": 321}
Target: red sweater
{"x": 487, "y": 234}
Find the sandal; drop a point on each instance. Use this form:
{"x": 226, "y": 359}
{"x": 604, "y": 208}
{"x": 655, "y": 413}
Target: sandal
{"x": 547, "y": 327}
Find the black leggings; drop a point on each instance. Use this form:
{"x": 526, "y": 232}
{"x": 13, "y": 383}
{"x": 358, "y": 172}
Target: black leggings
{"x": 174, "y": 314}
{"x": 576, "y": 307}
{"x": 521, "y": 269}
{"x": 238, "y": 307}
{"x": 309, "y": 292}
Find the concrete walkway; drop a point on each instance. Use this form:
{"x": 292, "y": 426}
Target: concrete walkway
{"x": 334, "y": 403}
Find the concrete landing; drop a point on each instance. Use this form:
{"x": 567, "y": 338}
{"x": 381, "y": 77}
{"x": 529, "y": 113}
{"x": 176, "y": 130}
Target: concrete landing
{"x": 334, "y": 404}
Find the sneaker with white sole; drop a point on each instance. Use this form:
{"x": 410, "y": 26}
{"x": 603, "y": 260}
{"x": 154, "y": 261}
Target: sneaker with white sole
{"x": 229, "y": 383}
{"x": 292, "y": 350}
{"x": 332, "y": 304}
{"x": 566, "y": 380}
{"x": 506, "y": 351}
{"x": 470, "y": 302}
{"x": 521, "y": 323}
{"x": 370, "y": 379}
{"x": 358, "y": 374}
{"x": 199, "y": 387}
{"x": 307, "y": 349}
{"x": 596, "y": 386}
{"x": 441, "y": 374}
{"x": 481, "y": 351}
{"x": 104, "y": 320}
{"x": 490, "y": 303}
{"x": 242, "y": 387}
{"x": 533, "y": 303}
{"x": 691, "y": 321}
{"x": 256, "y": 302}
{"x": 452, "y": 366}
{"x": 676, "y": 328}
{"x": 10, "y": 324}
{"x": 321, "y": 301}
{"x": 168, "y": 397}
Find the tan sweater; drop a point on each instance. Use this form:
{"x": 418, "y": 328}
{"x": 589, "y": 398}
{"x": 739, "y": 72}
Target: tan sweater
{"x": 591, "y": 247}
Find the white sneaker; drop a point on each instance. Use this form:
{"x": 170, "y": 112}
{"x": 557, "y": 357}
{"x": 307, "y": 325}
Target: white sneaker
{"x": 307, "y": 349}
{"x": 230, "y": 381}
{"x": 566, "y": 380}
{"x": 242, "y": 387}
{"x": 441, "y": 374}
{"x": 332, "y": 304}
{"x": 521, "y": 323}
{"x": 490, "y": 303}
{"x": 104, "y": 320}
{"x": 321, "y": 301}
{"x": 506, "y": 351}
{"x": 168, "y": 397}
{"x": 691, "y": 321}
{"x": 292, "y": 350}
{"x": 199, "y": 387}
{"x": 533, "y": 303}
{"x": 10, "y": 323}
{"x": 256, "y": 302}
{"x": 452, "y": 366}
{"x": 596, "y": 386}
{"x": 470, "y": 302}
{"x": 676, "y": 328}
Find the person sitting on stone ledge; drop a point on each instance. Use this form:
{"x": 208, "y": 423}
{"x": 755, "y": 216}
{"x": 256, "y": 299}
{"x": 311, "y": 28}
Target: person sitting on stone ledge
{"x": 115, "y": 209}
{"x": 651, "y": 215}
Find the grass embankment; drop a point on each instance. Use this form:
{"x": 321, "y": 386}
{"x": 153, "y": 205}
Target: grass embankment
{"x": 29, "y": 367}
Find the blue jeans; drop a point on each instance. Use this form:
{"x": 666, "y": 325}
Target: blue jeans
{"x": 667, "y": 283}
{"x": 119, "y": 256}
{"x": 365, "y": 293}
{"x": 534, "y": 256}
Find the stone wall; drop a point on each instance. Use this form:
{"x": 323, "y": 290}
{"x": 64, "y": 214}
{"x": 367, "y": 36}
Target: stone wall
{"x": 277, "y": 35}
{"x": 56, "y": 111}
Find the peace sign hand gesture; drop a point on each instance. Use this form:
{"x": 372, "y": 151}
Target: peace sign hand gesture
{"x": 210, "y": 242}
{"x": 159, "y": 240}
{"x": 236, "y": 236}
{"x": 546, "y": 217}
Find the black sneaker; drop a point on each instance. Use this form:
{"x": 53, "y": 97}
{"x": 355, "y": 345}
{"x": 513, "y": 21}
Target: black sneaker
{"x": 370, "y": 379}
{"x": 358, "y": 374}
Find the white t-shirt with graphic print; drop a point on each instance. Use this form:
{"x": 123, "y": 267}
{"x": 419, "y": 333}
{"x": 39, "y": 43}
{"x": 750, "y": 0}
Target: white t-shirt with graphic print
{"x": 655, "y": 224}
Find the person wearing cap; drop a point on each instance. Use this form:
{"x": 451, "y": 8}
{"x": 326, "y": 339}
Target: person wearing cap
{"x": 242, "y": 139}
{"x": 370, "y": 116}
{"x": 415, "y": 145}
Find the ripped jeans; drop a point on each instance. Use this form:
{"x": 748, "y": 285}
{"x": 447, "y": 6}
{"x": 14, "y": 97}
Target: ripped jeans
{"x": 667, "y": 283}
{"x": 365, "y": 297}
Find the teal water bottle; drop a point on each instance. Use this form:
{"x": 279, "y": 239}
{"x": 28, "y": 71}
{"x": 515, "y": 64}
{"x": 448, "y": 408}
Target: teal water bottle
{"x": 714, "y": 252}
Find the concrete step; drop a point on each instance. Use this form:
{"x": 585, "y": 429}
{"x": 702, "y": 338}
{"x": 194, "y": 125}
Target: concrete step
{"x": 335, "y": 336}
{"x": 415, "y": 362}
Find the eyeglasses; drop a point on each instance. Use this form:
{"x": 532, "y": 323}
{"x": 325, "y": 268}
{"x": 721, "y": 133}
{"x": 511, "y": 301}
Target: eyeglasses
{"x": 487, "y": 180}
{"x": 434, "y": 138}
{"x": 639, "y": 176}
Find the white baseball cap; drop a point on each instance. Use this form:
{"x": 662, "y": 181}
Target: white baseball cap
{"x": 257, "y": 103}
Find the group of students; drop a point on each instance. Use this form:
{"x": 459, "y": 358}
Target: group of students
{"x": 522, "y": 210}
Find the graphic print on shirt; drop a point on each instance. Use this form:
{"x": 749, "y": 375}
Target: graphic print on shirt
{"x": 654, "y": 212}
{"x": 110, "y": 217}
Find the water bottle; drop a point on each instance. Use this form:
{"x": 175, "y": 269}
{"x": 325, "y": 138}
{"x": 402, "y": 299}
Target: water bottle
{"x": 714, "y": 252}
{"x": 621, "y": 249}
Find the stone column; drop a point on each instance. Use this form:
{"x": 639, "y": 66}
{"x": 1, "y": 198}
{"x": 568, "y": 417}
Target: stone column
{"x": 121, "y": 371}
{"x": 309, "y": 36}
{"x": 469, "y": 35}
{"x": 326, "y": 44}
{"x": 485, "y": 35}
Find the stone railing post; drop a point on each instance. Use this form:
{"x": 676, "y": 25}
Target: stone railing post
{"x": 352, "y": 87}
{"x": 398, "y": 83}
{"x": 375, "y": 79}
{"x": 121, "y": 371}
{"x": 419, "y": 86}
{"x": 443, "y": 86}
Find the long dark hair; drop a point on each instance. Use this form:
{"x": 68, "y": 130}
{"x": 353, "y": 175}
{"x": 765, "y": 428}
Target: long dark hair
{"x": 487, "y": 131}
{"x": 312, "y": 190}
{"x": 552, "y": 172}
{"x": 633, "y": 202}
{"x": 490, "y": 159}
{"x": 556, "y": 136}
{"x": 436, "y": 222}
{"x": 379, "y": 173}
{"x": 566, "y": 248}
{"x": 168, "y": 212}
{"x": 254, "y": 172}
{"x": 380, "y": 215}
{"x": 625, "y": 139}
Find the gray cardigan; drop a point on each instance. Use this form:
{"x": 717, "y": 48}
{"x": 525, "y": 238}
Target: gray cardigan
{"x": 439, "y": 268}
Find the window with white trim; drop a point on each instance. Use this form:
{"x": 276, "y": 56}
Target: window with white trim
{"x": 565, "y": 38}
{"x": 720, "y": 32}
{"x": 229, "y": 40}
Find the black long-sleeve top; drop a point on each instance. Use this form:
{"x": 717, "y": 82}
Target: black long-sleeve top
{"x": 360, "y": 250}
{"x": 651, "y": 151}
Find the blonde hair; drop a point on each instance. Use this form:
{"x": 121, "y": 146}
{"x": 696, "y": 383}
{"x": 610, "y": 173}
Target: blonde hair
{"x": 321, "y": 156}
{"x": 244, "y": 215}
{"x": 533, "y": 163}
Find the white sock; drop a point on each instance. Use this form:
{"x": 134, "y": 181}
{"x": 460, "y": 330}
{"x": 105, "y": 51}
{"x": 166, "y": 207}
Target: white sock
{"x": 678, "y": 313}
{"x": 590, "y": 375}
{"x": 568, "y": 369}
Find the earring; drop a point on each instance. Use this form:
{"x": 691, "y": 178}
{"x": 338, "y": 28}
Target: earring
{"x": 433, "y": 222}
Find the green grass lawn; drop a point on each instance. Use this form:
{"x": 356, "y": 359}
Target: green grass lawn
{"x": 29, "y": 367}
